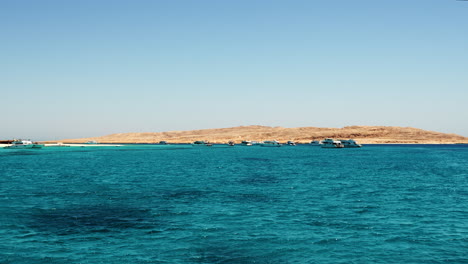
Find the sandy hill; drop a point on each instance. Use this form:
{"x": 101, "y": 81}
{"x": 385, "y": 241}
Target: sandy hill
{"x": 362, "y": 134}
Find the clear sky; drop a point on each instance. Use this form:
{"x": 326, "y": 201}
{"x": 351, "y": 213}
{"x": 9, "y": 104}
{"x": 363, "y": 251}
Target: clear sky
{"x": 72, "y": 69}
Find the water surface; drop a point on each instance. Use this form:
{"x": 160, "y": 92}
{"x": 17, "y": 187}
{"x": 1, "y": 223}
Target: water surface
{"x": 178, "y": 204}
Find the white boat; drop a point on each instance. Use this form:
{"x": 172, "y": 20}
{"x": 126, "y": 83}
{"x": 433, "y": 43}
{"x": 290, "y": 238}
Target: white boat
{"x": 24, "y": 144}
{"x": 201, "y": 143}
{"x": 58, "y": 144}
{"x": 291, "y": 143}
{"x": 231, "y": 143}
{"x": 350, "y": 143}
{"x": 270, "y": 143}
{"x": 246, "y": 143}
{"x": 330, "y": 143}
{"x": 92, "y": 142}
{"x": 315, "y": 143}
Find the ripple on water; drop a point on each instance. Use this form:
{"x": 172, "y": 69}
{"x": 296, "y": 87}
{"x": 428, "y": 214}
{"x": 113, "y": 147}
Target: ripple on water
{"x": 380, "y": 204}
{"x": 96, "y": 218}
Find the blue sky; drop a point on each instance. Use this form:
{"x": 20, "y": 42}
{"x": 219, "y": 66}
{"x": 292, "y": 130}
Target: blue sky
{"x": 74, "y": 69}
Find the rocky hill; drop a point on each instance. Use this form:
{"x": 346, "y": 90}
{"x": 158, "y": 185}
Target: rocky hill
{"x": 362, "y": 134}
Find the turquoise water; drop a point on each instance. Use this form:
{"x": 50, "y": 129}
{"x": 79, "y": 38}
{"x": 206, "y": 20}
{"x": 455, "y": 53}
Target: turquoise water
{"x": 178, "y": 204}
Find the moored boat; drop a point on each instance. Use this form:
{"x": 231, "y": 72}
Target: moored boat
{"x": 291, "y": 143}
{"x": 315, "y": 143}
{"x": 58, "y": 144}
{"x": 350, "y": 143}
{"x": 201, "y": 143}
{"x": 330, "y": 143}
{"x": 24, "y": 144}
{"x": 231, "y": 143}
{"x": 270, "y": 143}
{"x": 246, "y": 143}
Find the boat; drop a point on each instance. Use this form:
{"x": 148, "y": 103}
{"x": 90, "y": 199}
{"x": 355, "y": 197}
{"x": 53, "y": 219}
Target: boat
{"x": 162, "y": 142}
{"x": 291, "y": 143}
{"x": 246, "y": 143}
{"x": 330, "y": 143}
{"x": 231, "y": 143}
{"x": 315, "y": 143}
{"x": 270, "y": 143}
{"x": 350, "y": 143}
{"x": 92, "y": 142}
{"x": 23, "y": 144}
{"x": 58, "y": 144}
{"x": 201, "y": 143}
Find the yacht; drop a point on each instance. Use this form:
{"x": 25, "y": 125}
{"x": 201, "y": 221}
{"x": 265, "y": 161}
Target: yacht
{"x": 246, "y": 143}
{"x": 315, "y": 143}
{"x": 350, "y": 143}
{"x": 270, "y": 143}
{"x": 291, "y": 143}
{"x": 201, "y": 143}
{"x": 24, "y": 144}
{"x": 330, "y": 143}
{"x": 58, "y": 144}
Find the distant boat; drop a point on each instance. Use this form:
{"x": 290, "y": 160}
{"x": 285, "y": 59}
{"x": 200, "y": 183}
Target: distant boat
{"x": 291, "y": 143}
{"x": 201, "y": 143}
{"x": 350, "y": 143}
{"x": 315, "y": 143}
{"x": 92, "y": 142}
{"x": 330, "y": 143}
{"x": 24, "y": 144}
{"x": 58, "y": 144}
{"x": 163, "y": 142}
{"x": 270, "y": 143}
{"x": 231, "y": 143}
{"x": 246, "y": 143}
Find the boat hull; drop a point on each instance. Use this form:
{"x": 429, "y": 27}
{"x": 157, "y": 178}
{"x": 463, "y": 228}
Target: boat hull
{"x": 28, "y": 146}
{"x": 270, "y": 144}
{"x": 330, "y": 143}
{"x": 332, "y": 146}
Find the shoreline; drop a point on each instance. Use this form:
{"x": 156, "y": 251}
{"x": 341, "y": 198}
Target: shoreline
{"x": 236, "y": 144}
{"x": 83, "y": 145}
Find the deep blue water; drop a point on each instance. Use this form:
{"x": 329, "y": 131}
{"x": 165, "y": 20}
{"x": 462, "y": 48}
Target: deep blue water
{"x": 178, "y": 204}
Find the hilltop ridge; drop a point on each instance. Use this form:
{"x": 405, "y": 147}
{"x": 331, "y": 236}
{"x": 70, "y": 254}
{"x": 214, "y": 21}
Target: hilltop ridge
{"x": 363, "y": 134}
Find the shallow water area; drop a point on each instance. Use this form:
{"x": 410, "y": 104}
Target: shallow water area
{"x": 221, "y": 204}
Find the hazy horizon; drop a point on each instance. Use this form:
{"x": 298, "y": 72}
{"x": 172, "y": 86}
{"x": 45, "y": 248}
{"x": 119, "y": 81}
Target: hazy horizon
{"x": 87, "y": 68}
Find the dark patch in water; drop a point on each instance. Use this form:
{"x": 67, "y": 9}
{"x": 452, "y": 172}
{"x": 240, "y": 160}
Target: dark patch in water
{"x": 98, "y": 218}
{"x": 327, "y": 241}
{"x": 257, "y": 159}
{"x": 23, "y": 153}
{"x": 259, "y": 179}
{"x": 251, "y": 197}
{"x": 185, "y": 194}
{"x": 225, "y": 253}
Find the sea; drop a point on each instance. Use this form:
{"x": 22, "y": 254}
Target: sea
{"x": 221, "y": 204}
